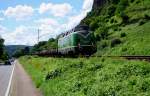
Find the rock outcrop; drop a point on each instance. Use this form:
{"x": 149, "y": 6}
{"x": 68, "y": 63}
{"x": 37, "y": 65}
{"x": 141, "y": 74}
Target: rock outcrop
{"x": 98, "y": 3}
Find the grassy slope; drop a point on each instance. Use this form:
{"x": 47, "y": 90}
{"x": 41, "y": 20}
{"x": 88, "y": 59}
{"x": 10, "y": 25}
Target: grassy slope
{"x": 136, "y": 41}
{"x": 89, "y": 77}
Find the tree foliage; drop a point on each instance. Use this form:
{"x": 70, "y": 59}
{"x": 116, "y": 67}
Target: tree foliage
{"x": 45, "y": 45}
{"x": 3, "y": 54}
{"x": 22, "y": 52}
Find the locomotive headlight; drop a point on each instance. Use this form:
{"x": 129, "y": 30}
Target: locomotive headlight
{"x": 79, "y": 46}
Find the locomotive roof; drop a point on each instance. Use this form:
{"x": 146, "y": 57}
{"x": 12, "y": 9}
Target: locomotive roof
{"x": 72, "y": 30}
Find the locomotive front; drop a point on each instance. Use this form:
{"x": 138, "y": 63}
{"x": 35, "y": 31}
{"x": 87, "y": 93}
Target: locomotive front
{"x": 85, "y": 40}
{"x": 79, "y": 40}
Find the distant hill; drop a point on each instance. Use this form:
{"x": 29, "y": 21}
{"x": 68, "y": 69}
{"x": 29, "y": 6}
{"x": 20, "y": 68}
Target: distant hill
{"x": 11, "y": 49}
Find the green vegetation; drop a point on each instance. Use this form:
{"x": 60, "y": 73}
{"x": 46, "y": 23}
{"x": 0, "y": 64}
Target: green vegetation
{"x": 134, "y": 41}
{"x": 89, "y": 76}
{"x": 3, "y": 54}
{"x": 45, "y": 45}
{"x": 22, "y": 52}
{"x": 121, "y": 27}
{"x": 13, "y": 49}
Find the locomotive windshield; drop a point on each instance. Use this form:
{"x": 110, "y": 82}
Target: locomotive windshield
{"x": 79, "y": 28}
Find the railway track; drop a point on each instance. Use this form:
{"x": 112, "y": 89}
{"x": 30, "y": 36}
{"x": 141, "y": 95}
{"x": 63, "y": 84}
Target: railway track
{"x": 146, "y": 58}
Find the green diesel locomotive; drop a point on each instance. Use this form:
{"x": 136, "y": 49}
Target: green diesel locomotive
{"x": 79, "y": 40}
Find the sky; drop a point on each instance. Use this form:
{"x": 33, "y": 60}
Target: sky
{"x": 21, "y": 19}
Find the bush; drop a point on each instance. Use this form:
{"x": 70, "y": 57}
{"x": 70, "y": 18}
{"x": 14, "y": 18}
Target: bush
{"x": 123, "y": 34}
{"x": 102, "y": 44}
{"x": 131, "y": 1}
{"x": 122, "y": 6}
{"x": 137, "y": 2}
{"x": 93, "y": 25}
{"x": 115, "y": 42}
{"x": 111, "y": 10}
{"x": 95, "y": 67}
{"x": 124, "y": 17}
{"x": 119, "y": 29}
{"x": 115, "y": 29}
{"x": 112, "y": 21}
{"x": 102, "y": 32}
{"x": 142, "y": 21}
{"x": 53, "y": 74}
{"x": 115, "y": 1}
{"x": 146, "y": 16}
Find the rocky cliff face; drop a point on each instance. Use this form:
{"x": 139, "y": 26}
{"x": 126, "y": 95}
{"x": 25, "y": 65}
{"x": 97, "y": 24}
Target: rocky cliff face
{"x": 98, "y": 3}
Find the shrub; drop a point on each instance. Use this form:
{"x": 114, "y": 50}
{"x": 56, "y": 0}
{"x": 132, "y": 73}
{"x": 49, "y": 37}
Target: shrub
{"x": 115, "y": 1}
{"x": 97, "y": 37}
{"x": 95, "y": 67}
{"x": 124, "y": 49}
{"x": 104, "y": 44}
{"x": 122, "y": 6}
{"x": 131, "y": 1}
{"x": 115, "y": 29}
{"x": 137, "y": 2}
{"x": 119, "y": 29}
{"x": 124, "y": 17}
{"x": 123, "y": 34}
{"x": 112, "y": 21}
{"x": 146, "y": 16}
{"x": 102, "y": 32}
{"x": 115, "y": 41}
{"x": 93, "y": 25}
{"x": 111, "y": 10}
{"x": 53, "y": 74}
{"x": 107, "y": 20}
{"x": 76, "y": 65}
{"x": 142, "y": 21}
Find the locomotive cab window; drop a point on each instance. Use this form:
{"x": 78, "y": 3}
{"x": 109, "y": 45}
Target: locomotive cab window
{"x": 79, "y": 28}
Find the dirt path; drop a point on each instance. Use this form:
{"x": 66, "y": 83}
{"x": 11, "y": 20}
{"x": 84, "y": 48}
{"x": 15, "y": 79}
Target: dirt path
{"x": 23, "y": 85}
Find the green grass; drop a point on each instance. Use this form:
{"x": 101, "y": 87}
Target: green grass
{"x": 133, "y": 20}
{"x": 136, "y": 41}
{"x": 89, "y": 76}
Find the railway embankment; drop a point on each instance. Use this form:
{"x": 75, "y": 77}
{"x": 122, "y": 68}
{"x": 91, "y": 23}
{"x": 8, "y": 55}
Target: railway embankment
{"x": 93, "y": 76}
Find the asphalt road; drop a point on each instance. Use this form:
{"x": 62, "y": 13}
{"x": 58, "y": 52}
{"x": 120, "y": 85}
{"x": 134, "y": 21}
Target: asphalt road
{"x": 5, "y": 74}
{"x": 21, "y": 83}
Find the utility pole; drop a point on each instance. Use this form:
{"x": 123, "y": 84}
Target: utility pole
{"x": 38, "y": 39}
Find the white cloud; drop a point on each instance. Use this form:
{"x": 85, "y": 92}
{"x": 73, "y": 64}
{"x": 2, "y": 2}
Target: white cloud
{"x": 87, "y": 5}
{"x": 75, "y": 20}
{"x": 2, "y": 29}
{"x": 58, "y": 10}
{"x": 54, "y": 28}
{"x": 50, "y": 27}
{"x": 21, "y": 35}
{"x": 1, "y": 19}
{"x": 48, "y": 21}
{"x": 19, "y": 12}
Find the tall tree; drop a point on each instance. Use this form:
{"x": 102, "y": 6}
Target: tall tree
{"x": 2, "y": 51}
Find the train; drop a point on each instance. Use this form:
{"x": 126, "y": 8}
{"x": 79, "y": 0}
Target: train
{"x": 77, "y": 41}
